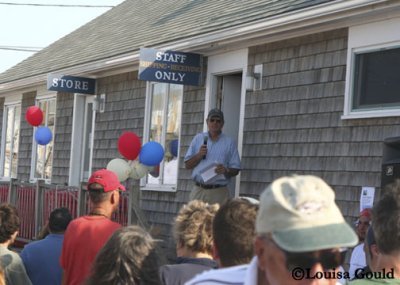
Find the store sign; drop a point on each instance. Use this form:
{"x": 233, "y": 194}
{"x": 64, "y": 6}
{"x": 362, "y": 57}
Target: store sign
{"x": 170, "y": 66}
{"x": 71, "y": 84}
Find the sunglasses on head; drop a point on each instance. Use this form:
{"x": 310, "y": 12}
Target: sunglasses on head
{"x": 215, "y": 120}
{"x": 329, "y": 259}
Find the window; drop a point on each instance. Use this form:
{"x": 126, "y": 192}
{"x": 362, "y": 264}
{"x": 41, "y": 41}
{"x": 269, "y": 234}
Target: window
{"x": 373, "y": 70}
{"x": 11, "y": 123}
{"x": 376, "y": 79}
{"x": 164, "y": 120}
{"x": 43, "y": 154}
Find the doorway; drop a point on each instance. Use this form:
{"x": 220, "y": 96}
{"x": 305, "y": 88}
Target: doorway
{"x": 82, "y": 138}
{"x": 225, "y": 90}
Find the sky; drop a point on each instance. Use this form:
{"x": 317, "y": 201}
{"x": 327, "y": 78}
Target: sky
{"x": 39, "y": 26}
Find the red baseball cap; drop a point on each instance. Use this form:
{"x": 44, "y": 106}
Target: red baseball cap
{"x": 366, "y": 213}
{"x": 107, "y": 179}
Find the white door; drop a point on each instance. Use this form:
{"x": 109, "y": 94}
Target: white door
{"x": 230, "y": 105}
{"x": 87, "y": 151}
{"x": 82, "y": 139}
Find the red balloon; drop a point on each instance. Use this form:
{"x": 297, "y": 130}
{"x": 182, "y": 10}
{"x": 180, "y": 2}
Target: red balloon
{"x": 129, "y": 145}
{"x": 34, "y": 116}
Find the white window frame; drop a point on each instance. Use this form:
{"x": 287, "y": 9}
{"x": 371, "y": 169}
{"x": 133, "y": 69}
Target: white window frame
{"x": 34, "y": 143}
{"x": 385, "y": 36}
{"x": 3, "y": 136}
{"x": 146, "y": 136}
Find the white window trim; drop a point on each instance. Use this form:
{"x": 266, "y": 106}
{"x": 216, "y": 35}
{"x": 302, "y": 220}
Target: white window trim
{"x": 3, "y": 137}
{"x": 360, "y": 41}
{"x": 32, "y": 177}
{"x": 146, "y": 135}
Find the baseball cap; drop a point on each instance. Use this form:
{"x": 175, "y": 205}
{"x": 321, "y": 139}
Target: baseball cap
{"x": 366, "y": 213}
{"x": 301, "y": 215}
{"x": 215, "y": 113}
{"x": 107, "y": 179}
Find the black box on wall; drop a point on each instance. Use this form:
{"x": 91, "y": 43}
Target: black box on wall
{"x": 390, "y": 161}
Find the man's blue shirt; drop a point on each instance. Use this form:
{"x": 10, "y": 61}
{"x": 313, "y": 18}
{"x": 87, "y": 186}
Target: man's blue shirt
{"x": 42, "y": 260}
{"x": 222, "y": 151}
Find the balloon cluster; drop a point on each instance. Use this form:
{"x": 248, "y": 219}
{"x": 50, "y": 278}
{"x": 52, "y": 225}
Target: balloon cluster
{"x": 141, "y": 159}
{"x": 34, "y": 116}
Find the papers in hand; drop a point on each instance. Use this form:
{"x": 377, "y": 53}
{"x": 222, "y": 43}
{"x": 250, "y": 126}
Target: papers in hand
{"x": 208, "y": 174}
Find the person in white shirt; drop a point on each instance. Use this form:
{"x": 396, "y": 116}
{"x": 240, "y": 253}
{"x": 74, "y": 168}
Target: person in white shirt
{"x": 357, "y": 259}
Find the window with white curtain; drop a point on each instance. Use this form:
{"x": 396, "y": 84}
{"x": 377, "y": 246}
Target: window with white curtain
{"x": 11, "y": 130}
{"x": 164, "y": 108}
{"x": 43, "y": 154}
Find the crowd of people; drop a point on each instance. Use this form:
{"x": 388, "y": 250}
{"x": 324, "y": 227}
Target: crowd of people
{"x": 295, "y": 234}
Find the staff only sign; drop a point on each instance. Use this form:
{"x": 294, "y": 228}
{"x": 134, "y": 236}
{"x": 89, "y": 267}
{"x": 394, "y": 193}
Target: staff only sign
{"x": 71, "y": 84}
{"x": 170, "y": 66}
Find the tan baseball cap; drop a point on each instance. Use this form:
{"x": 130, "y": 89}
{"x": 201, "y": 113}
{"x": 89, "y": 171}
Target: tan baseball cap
{"x": 301, "y": 215}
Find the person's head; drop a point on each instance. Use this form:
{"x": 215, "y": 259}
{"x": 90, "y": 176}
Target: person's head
{"x": 193, "y": 228}
{"x": 59, "y": 220}
{"x": 234, "y": 232}
{"x": 104, "y": 187}
{"x": 299, "y": 227}
{"x": 128, "y": 257}
{"x": 363, "y": 223}
{"x": 215, "y": 120}
{"x": 370, "y": 249}
{"x": 9, "y": 223}
{"x": 386, "y": 220}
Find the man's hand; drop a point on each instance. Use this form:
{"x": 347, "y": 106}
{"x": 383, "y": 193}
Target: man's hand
{"x": 202, "y": 151}
{"x": 221, "y": 169}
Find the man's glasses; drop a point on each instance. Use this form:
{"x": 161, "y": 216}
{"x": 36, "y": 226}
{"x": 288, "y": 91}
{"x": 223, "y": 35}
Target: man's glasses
{"x": 215, "y": 121}
{"x": 329, "y": 259}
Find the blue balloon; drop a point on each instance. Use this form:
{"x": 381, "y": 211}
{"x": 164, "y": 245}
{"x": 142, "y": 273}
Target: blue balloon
{"x": 151, "y": 154}
{"x": 43, "y": 135}
{"x": 173, "y": 147}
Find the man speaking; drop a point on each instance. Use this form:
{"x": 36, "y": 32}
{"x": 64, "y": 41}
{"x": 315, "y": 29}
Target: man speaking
{"x": 214, "y": 158}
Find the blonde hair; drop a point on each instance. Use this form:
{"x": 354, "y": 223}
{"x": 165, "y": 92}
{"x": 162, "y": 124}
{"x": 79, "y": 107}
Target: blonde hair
{"x": 193, "y": 226}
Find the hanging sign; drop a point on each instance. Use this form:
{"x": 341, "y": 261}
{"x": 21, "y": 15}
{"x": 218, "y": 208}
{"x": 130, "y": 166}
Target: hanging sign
{"x": 71, "y": 84}
{"x": 170, "y": 66}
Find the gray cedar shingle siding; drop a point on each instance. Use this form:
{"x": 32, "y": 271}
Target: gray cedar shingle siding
{"x": 25, "y": 139}
{"x": 62, "y": 138}
{"x": 294, "y": 125}
{"x": 124, "y": 111}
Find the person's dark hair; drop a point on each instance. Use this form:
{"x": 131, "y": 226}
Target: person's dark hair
{"x": 9, "y": 222}
{"x": 386, "y": 219}
{"x": 234, "y": 232}
{"x": 370, "y": 237}
{"x": 97, "y": 194}
{"x": 128, "y": 257}
{"x": 59, "y": 220}
{"x": 193, "y": 226}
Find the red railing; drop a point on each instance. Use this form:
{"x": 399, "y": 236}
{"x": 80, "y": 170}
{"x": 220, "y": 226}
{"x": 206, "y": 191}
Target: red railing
{"x": 25, "y": 204}
{"x": 35, "y": 202}
{"x": 4, "y": 193}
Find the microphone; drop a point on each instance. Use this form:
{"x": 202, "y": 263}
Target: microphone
{"x": 205, "y": 143}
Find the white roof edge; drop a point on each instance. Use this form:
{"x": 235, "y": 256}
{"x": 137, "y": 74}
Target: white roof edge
{"x": 310, "y": 17}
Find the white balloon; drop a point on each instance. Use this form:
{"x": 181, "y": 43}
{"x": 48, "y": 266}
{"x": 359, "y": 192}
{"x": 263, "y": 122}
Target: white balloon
{"x": 138, "y": 170}
{"x": 120, "y": 167}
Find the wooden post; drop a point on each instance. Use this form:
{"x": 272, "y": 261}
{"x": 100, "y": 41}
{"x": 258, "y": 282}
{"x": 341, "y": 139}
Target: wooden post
{"x": 81, "y": 209}
{"x": 12, "y": 192}
{"x": 39, "y": 205}
{"x": 136, "y": 215}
